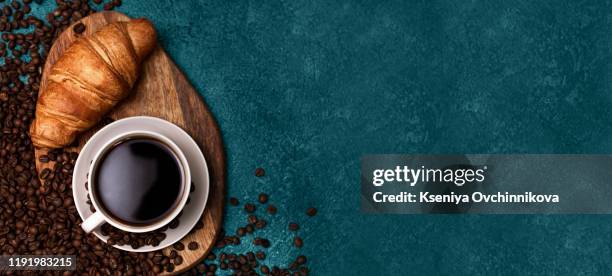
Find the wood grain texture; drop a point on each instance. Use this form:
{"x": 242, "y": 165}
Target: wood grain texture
{"x": 163, "y": 91}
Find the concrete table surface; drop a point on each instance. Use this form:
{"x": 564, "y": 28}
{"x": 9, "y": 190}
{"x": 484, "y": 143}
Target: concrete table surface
{"x": 304, "y": 88}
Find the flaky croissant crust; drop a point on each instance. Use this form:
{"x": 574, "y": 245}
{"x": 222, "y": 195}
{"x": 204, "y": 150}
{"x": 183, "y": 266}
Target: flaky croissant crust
{"x": 89, "y": 79}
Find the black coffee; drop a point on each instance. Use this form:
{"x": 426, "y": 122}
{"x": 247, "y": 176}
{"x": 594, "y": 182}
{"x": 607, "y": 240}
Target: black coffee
{"x": 138, "y": 181}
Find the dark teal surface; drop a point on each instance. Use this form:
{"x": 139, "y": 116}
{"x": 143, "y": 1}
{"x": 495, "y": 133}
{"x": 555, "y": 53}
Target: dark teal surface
{"x": 304, "y": 88}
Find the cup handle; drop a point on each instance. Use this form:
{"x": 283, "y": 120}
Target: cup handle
{"x": 93, "y": 222}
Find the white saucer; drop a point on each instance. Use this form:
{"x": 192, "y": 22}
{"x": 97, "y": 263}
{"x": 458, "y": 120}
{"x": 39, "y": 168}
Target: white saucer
{"x": 197, "y": 164}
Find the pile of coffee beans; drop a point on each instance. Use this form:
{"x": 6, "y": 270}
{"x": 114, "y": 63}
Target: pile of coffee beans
{"x": 41, "y": 218}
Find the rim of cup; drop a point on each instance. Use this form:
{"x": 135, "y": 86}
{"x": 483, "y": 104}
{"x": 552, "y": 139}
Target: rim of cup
{"x": 186, "y": 180}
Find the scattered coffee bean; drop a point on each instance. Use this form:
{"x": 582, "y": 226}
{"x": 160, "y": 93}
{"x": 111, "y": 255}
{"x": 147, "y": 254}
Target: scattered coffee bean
{"x": 178, "y": 260}
{"x": 192, "y": 245}
{"x": 311, "y": 212}
{"x": 201, "y": 268}
{"x": 297, "y": 241}
{"x": 263, "y": 198}
{"x": 178, "y": 246}
{"x": 249, "y": 208}
{"x": 261, "y": 223}
{"x": 43, "y": 159}
{"x": 293, "y": 226}
{"x": 174, "y": 224}
{"x": 234, "y": 201}
{"x": 260, "y": 255}
{"x": 272, "y": 209}
{"x": 301, "y": 259}
{"x": 241, "y": 231}
{"x": 252, "y": 219}
{"x": 249, "y": 228}
{"x": 79, "y": 28}
{"x": 261, "y": 242}
{"x": 259, "y": 172}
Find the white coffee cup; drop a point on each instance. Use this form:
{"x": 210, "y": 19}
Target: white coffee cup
{"x": 100, "y": 216}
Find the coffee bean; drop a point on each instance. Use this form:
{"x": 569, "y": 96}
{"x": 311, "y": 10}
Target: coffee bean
{"x": 170, "y": 268}
{"x": 294, "y": 266}
{"x": 259, "y": 172}
{"x": 174, "y": 224}
{"x": 301, "y": 259}
{"x": 43, "y": 159}
{"x": 271, "y": 209}
{"x": 250, "y": 256}
{"x": 234, "y": 201}
{"x": 20, "y": 224}
{"x": 192, "y": 245}
{"x": 260, "y": 224}
{"x": 297, "y": 241}
{"x": 242, "y": 259}
{"x": 165, "y": 261}
{"x": 79, "y": 28}
{"x": 293, "y": 226}
{"x": 311, "y": 212}
{"x": 249, "y": 208}
{"x": 157, "y": 257}
{"x": 261, "y": 242}
{"x": 44, "y": 174}
{"x": 178, "y": 260}
{"x": 263, "y": 198}
{"x": 178, "y": 246}
{"x": 260, "y": 255}
{"x": 252, "y": 219}
{"x": 199, "y": 225}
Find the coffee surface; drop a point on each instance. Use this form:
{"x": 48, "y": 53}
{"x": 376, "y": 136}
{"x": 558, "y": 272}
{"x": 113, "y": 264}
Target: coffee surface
{"x": 138, "y": 181}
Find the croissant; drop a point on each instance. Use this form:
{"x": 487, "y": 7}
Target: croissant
{"x": 89, "y": 79}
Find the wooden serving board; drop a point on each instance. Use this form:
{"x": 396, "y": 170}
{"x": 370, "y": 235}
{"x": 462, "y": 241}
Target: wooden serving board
{"x": 164, "y": 92}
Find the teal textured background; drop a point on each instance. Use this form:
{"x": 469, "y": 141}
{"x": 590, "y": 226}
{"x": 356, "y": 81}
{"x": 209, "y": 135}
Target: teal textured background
{"x": 304, "y": 88}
